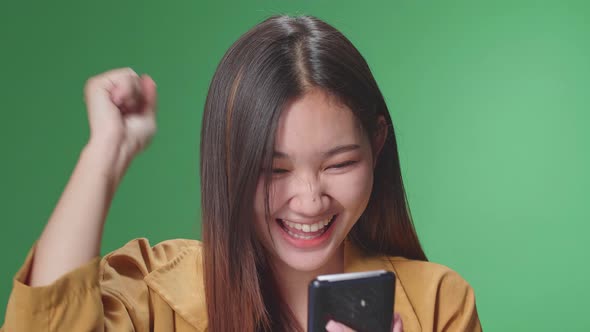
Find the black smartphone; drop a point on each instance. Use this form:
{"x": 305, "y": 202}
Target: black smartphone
{"x": 361, "y": 300}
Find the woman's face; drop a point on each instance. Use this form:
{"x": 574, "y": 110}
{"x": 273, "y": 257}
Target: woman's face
{"x": 321, "y": 183}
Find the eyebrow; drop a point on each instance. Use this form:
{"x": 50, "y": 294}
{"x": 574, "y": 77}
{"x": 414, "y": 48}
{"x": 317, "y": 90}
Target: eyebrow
{"x": 332, "y": 152}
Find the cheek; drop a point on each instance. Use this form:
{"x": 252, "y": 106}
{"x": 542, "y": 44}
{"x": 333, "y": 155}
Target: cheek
{"x": 276, "y": 196}
{"x": 353, "y": 189}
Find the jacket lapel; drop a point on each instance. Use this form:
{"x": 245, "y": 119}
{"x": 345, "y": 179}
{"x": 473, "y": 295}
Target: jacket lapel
{"x": 180, "y": 283}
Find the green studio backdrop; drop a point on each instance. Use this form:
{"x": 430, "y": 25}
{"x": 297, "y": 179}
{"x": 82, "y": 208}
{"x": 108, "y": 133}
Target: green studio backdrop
{"x": 489, "y": 99}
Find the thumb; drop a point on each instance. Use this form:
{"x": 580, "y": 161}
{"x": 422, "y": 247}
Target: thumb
{"x": 333, "y": 326}
{"x": 397, "y": 323}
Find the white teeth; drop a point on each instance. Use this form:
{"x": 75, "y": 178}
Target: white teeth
{"x": 304, "y": 237}
{"x": 307, "y": 228}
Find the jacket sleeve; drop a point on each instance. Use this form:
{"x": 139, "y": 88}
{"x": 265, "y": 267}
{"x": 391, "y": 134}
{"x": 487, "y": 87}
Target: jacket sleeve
{"x": 80, "y": 300}
{"x": 456, "y": 305}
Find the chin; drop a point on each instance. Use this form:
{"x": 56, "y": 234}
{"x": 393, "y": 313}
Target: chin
{"x": 305, "y": 261}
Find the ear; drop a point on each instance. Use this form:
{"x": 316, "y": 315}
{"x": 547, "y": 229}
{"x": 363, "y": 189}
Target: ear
{"x": 379, "y": 137}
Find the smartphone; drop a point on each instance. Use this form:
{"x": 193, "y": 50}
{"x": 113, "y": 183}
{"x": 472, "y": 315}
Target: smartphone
{"x": 361, "y": 300}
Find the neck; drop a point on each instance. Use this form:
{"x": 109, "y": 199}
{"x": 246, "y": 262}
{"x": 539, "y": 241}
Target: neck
{"x": 293, "y": 284}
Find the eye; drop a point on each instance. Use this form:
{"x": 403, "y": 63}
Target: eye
{"x": 344, "y": 164}
{"x": 278, "y": 171}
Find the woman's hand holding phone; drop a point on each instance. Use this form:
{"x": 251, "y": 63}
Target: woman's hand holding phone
{"x": 334, "y": 326}
{"x": 357, "y": 301}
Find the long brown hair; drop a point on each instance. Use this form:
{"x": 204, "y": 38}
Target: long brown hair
{"x": 275, "y": 62}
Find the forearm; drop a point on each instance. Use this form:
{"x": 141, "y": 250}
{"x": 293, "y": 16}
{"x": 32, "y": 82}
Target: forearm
{"x": 73, "y": 233}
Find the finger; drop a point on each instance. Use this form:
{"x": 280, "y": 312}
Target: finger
{"x": 334, "y": 326}
{"x": 127, "y": 92}
{"x": 149, "y": 91}
{"x": 397, "y": 323}
{"x": 98, "y": 89}
{"x": 106, "y": 81}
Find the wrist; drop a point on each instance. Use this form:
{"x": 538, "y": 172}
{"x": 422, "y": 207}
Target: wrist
{"x": 101, "y": 158}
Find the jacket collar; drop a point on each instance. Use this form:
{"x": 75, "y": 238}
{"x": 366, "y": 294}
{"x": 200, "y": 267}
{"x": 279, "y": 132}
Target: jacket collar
{"x": 180, "y": 283}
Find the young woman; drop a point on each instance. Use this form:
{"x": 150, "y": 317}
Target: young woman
{"x": 300, "y": 177}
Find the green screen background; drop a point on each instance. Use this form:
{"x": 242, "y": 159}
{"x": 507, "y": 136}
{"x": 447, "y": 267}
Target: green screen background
{"x": 490, "y": 103}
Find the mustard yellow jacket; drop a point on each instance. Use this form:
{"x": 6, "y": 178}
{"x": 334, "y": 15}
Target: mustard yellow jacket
{"x": 160, "y": 288}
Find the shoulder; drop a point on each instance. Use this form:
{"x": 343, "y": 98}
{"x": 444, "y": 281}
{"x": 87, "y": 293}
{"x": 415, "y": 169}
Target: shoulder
{"x": 420, "y": 280}
{"x": 415, "y": 276}
{"x": 428, "y": 296}
{"x": 167, "y": 276}
{"x": 440, "y": 298}
{"x": 151, "y": 282}
{"x": 139, "y": 257}
{"x": 421, "y": 276}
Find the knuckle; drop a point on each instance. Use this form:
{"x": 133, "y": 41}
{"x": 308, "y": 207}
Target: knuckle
{"x": 90, "y": 82}
{"x": 130, "y": 71}
{"x": 126, "y": 77}
{"x": 90, "y": 85}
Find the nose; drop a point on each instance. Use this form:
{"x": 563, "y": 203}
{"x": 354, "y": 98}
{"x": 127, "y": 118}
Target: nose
{"x": 309, "y": 199}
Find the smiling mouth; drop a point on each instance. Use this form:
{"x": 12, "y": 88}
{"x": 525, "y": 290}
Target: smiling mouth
{"x": 306, "y": 231}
